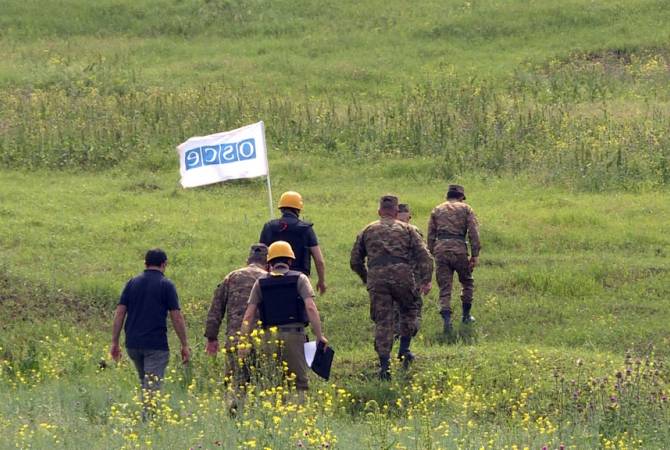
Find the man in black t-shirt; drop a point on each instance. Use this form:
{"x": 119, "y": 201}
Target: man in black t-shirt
{"x": 299, "y": 234}
{"x": 146, "y": 301}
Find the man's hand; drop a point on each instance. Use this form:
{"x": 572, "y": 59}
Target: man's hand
{"x": 323, "y": 339}
{"x": 425, "y": 289}
{"x": 115, "y": 352}
{"x": 212, "y": 347}
{"x": 473, "y": 262}
{"x": 321, "y": 287}
{"x": 185, "y": 354}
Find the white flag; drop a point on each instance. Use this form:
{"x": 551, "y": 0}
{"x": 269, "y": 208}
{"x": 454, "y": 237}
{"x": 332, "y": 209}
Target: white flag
{"x": 230, "y": 155}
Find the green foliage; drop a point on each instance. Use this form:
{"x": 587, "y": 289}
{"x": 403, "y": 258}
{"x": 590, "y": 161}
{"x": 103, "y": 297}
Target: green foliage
{"x": 531, "y": 105}
{"x": 456, "y": 128}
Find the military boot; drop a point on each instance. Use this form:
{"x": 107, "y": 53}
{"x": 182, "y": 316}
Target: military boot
{"x": 446, "y": 317}
{"x": 467, "y": 318}
{"x": 404, "y": 354}
{"x": 384, "y": 368}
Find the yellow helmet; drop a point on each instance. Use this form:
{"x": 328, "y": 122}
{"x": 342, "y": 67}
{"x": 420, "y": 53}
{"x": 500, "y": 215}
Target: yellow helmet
{"x": 280, "y": 249}
{"x": 290, "y": 199}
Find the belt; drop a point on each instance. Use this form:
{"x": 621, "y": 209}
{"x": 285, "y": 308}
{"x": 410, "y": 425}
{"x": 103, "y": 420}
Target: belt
{"x": 291, "y": 329}
{"x": 446, "y": 236}
{"x": 386, "y": 260}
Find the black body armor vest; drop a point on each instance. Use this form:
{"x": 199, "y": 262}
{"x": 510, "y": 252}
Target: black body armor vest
{"x": 281, "y": 303}
{"x": 295, "y": 233}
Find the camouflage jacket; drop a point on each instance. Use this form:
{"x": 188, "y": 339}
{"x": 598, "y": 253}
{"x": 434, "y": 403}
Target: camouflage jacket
{"x": 417, "y": 274}
{"x": 231, "y": 295}
{"x": 388, "y": 237}
{"x": 448, "y": 226}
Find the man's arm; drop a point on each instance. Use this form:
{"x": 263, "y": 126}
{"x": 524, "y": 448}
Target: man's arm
{"x": 432, "y": 233}
{"x": 266, "y": 234}
{"x": 423, "y": 261}
{"x": 314, "y": 319}
{"x": 320, "y": 264}
{"x": 119, "y": 318}
{"x": 473, "y": 237}
{"x": 214, "y": 317}
{"x": 248, "y": 319}
{"x": 180, "y": 328}
{"x": 247, "y": 325}
{"x": 357, "y": 261}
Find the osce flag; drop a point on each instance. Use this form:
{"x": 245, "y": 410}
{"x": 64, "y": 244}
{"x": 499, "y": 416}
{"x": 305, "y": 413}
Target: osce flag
{"x": 230, "y": 155}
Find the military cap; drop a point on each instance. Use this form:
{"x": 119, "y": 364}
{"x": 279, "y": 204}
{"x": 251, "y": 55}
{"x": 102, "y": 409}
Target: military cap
{"x": 258, "y": 253}
{"x": 388, "y": 202}
{"x": 403, "y": 208}
{"x": 456, "y": 189}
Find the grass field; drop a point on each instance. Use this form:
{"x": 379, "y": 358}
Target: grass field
{"x": 555, "y": 117}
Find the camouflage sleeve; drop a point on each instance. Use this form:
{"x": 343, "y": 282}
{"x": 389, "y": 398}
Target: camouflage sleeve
{"x": 432, "y": 230}
{"x": 216, "y": 311}
{"x": 473, "y": 233}
{"x": 358, "y": 254}
{"x": 422, "y": 258}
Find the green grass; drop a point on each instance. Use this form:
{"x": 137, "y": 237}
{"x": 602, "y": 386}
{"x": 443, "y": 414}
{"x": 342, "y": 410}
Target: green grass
{"x": 554, "y": 117}
{"x": 574, "y": 94}
{"x": 566, "y": 275}
{"x": 566, "y": 269}
{"x": 326, "y": 49}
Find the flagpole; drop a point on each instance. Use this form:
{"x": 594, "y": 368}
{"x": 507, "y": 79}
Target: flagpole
{"x": 272, "y": 216}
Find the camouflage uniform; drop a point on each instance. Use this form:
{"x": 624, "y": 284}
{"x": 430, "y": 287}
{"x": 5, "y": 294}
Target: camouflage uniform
{"x": 231, "y": 296}
{"x": 404, "y": 208}
{"x": 392, "y": 249}
{"x": 449, "y": 224}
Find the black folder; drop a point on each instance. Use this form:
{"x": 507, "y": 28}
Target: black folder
{"x": 323, "y": 360}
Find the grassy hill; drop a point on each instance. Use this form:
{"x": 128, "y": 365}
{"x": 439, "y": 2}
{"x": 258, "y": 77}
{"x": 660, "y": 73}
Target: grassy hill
{"x": 553, "y": 115}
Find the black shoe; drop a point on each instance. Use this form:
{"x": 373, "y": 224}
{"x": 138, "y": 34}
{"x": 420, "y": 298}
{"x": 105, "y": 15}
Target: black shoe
{"x": 406, "y": 359}
{"x": 467, "y": 318}
{"x": 384, "y": 368}
{"x": 446, "y": 317}
{"x": 384, "y": 374}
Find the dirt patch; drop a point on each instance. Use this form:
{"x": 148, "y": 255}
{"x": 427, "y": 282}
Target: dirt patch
{"x": 615, "y": 60}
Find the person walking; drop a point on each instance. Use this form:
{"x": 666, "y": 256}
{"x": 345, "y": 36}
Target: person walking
{"x": 391, "y": 249}
{"x": 449, "y": 225}
{"x": 284, "y": 298}
{"x": 144, "y": 305}
{"x": 299, "y": 234}
{"x": 405, "y": 216}
{"x": 230, "y": 299}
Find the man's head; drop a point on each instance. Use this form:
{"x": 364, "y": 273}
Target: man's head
{"x": 404, "y": 214}
{"x": 455, "y": 192}
{"x": 156, "y": 259}
{"x": 258, "y": 254}
{"x": 388, "y": 206}
{"x": 280, "y": 252}
{"x": 291, "y": 201}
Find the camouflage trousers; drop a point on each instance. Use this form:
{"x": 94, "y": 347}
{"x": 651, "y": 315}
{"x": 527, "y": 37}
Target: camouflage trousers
{"x": 446, "y": 266}
{"x": 386, "y": 295}
{"x": 396, "y": 315}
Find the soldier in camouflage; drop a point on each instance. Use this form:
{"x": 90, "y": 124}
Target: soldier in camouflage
{"x": 231, "y": 297}
{"x": 392, "y": 249}
{"x": 405, "y": 215}
{"x": 449, "y": 225}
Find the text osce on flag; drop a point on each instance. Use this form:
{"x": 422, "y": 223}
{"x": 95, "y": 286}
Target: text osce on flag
{"x": 229, "y": 155}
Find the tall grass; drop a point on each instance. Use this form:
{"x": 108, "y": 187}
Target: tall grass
{"x": 555, "y": 123}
